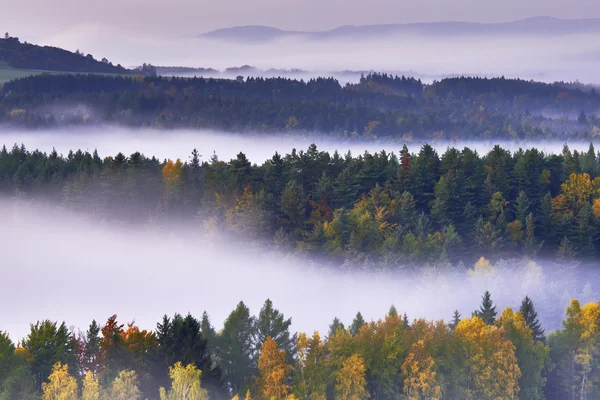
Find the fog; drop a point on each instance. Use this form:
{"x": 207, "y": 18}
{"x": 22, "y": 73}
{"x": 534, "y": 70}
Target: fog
{"x": 173, "y": 144}
{"x": 566, "y": 57}
{"x": 62, "y": 266}
{"x": 59, "y": 266}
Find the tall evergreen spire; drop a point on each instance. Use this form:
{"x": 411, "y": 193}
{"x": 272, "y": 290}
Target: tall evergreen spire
{"x": 531, "y": 319}
{"x": 487, "y": 312}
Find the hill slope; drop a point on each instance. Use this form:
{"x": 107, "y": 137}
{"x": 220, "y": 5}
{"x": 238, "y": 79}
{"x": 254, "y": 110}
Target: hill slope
{"x": 18, "y": 55}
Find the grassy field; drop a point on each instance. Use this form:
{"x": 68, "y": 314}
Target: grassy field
{"x": 7, "y": 73}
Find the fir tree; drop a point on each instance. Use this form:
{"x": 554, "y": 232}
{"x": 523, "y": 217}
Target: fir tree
{"x": 393, "y": 312}
{"x": 405, "y": 320}
{"x": 455, "y": 320}
{"x": 335, "y": 327}
{"x": 566, "y": 251}
{"x": 531, "y": 319}
{"x": 487, "y": 312}
{"x": 91, "y": 349}
{"x": 522, "y": 207}
{"x": 272, "y": 323}
{"x": 357, "y": 324}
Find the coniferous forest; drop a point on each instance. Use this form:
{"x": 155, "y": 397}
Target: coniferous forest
{"x": 398, "y": 208}
{"x": 379, "y": 106}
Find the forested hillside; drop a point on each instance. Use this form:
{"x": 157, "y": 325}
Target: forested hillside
{"x": 379, "y": 106}
{"x": 492, "y": 354}
{"x": 395, "y": 208}
{"x": 16, "y": 54}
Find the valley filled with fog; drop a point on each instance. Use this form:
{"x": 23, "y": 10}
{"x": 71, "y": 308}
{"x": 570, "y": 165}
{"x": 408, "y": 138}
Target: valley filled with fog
{"x": 150, "y": 271}
{"x": 560, "y": 57}
{"x": 81, "y": 270}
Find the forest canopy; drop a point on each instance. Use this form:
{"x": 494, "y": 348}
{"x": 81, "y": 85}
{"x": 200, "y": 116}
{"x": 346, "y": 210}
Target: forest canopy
{"x": 395, "y": 208}
{"x": 491, "y": 354}
{"x": 379, "y": 106}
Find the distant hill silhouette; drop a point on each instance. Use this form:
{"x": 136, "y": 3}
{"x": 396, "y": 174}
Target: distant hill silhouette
{"x": 21, "y": 55}
{"x": 530, "y": 26}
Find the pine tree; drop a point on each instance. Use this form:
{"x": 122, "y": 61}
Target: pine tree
{"x": 487, "y": 312}
{"x": 405, "y": 320}
{"x": 393, "y": 312}
{"x": 531, "y": 319}
{"x": 357, "y": 324}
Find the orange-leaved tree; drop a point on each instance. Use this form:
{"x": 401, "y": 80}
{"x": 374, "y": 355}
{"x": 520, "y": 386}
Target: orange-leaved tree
{"x": 274, "y": 372}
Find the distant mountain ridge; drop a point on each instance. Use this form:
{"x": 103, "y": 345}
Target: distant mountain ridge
{"x": 530, "y": 26}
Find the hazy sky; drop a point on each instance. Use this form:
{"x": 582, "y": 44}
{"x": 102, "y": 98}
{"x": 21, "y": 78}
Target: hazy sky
{"x": 31, "y": 19}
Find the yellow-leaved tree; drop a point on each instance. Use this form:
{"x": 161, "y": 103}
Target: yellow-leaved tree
{"x": 350, "y": 381}
{"x": 309, "y": 375}
{"x": 90, "y": 388}
{"x": 185, "y": 384}
{"x": 577, "y": 191}
{"x": 125, "y": 387}
{"x": 419, "y": 369}
{"x": 60, "y": 385}
{"x": 274, "y": 372}
{"x": 171, "y": 171}
{"x": 487, "y": 361}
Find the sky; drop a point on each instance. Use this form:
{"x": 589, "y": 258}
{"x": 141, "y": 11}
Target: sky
{"x": 35, "y": 19}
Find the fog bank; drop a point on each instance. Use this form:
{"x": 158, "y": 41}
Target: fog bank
{"x": 542, "y": 57}
{"x": 58, "y": 266}
{"x": 175, "y": 144}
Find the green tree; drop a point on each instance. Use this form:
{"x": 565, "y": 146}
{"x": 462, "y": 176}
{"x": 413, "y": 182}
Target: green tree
{"x": 272, "y": 323}
{"x": 47, "y": 344}
{"x": 293, "y": 205}
{"x": 530, "y": 317}
{"x": 487, "y": 311}
{"x": 335, "y": 326}
{"x": 357, "y": 323}
{"x": 236, "y": 349}
{"x": 522, "y": 205}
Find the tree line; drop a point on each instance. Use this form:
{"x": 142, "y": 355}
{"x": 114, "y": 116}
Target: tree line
{"x": 392, "y": 208}
{"x": 489, "y": 355}
{"x": 379, "y": 106}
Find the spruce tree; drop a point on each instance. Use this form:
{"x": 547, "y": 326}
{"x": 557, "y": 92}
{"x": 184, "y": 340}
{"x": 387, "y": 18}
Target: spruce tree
{"x": 522, "y": 205}
{"x": 357, "y": 324}
{"x": 91, "y": 349}
{"x": 272, "y": 323}
{"x": 405, "y": 320}
{"x": 531, "y": 319}
{"x": 393, "y": 312}
{"x": 335, "y": 326}
{"x": 566, "y": 251}
{"x": 487, "y": 312}
{"x": 208, "y": 331}
{"x": 455, "y": 320}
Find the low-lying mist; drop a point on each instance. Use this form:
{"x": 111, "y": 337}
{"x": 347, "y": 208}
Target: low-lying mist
{"x": 62, "y": 266}
{"x": 173, "y": 144}
{"x": 541, "y": 57}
